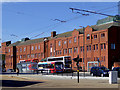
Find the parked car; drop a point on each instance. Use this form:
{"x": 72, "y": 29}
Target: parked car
{"x": 99, "y": 71}
{"x": 117, "y": 69}
{"x": 10, "y": 70}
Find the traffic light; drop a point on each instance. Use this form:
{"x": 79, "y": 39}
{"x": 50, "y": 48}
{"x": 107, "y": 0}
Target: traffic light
{"x": 77, "y": 59}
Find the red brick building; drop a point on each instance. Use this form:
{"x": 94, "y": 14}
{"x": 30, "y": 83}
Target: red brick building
{"x": 100, "y": 42}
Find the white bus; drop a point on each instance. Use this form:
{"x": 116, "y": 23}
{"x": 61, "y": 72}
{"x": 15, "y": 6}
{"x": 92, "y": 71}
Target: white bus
{"x": 65, "y": 59}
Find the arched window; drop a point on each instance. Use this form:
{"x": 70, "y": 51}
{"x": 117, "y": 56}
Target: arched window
{"x": 88, "y": 36}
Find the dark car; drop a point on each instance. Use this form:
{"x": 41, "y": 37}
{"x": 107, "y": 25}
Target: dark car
{"x": 117, "y": 69}
{"x": 99, "y": 71}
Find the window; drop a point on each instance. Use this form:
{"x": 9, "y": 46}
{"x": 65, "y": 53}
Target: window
{"x": 59, "y": 43}
{"x": 74, "y": 39}
{"x": 38, "y": 54}
{"x": 69, "y": 41}
{"x": 32, "y": 48}
{"x": 70, "y": 50}
{"x": 103, "y": 35}
{"x": 32, "y": 55}
{"x": 81, "y": 48}
{"x": 104, "y": 46}
{"x": 50, "y": 53}
{"x": 24, "y": 48}
{"x": 88, "y": 36}
{"x": 90, "y": 47}
{"x": 35, "y": 47}
{"x": 39, "y": 47}
{"x": 20, "y": 56}
{"x": 112, "y": 45}
{"x": 51, "y": 49}
{"x": 28, "y": 56}
{"x": 20, "y": 49}
{"x": 87, "y": 48}
{"x": 95, "y": 36}
{"x": 101, "y": 46}
{"x": 75, "y": 49}
{"x": 64, "y": 42}
{"x": 9, "y": 50}
{"x": 96, "y": 46}
{"x": 56, "y": 52}
{"x": 60, "y": 51}
{"x": 65, "y": 51}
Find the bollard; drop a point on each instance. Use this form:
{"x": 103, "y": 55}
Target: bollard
{"x": 113, "y": 77}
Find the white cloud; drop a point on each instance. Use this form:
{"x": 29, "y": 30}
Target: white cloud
{"x": 59, "y": 0}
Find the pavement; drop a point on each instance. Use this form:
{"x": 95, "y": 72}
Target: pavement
{"x": 55, "y": 81}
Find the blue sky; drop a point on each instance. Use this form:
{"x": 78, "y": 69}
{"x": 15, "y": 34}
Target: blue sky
{"x": 28, "y": 19}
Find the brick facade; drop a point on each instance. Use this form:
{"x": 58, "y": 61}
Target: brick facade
{"x": 96, "y": 43}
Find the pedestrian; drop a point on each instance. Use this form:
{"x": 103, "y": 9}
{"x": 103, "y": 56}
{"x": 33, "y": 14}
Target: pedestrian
{"x": 17, "y": 70}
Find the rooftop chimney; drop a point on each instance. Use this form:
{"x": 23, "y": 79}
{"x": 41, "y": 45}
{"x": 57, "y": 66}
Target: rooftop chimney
{"x": 25, "y": 39}
{"x": 53, "y": 34}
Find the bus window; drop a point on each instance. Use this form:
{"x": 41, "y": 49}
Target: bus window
{"x": 52, "y": 66}
{"x": 51, "y": 59}
{"x": 68, "y": 60}
{"x": 59, "y": 65}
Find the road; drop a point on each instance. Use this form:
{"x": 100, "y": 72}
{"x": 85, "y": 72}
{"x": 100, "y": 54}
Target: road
{"x": 50, "y": 81}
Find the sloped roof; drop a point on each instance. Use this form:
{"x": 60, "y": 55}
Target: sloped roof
{"x": 104, "y": 26}
{"x": 108, "y": 19}
{"x": 28, "y": 42}
{"x": 66, "y": 34}
{"x": 15, "y": 44}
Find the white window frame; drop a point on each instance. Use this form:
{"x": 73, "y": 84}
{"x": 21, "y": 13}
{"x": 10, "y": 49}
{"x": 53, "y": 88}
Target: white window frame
{"x": 32, "y": 48}
{"x": 59, "y": 43}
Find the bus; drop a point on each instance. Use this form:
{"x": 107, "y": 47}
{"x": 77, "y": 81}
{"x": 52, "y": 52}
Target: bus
{"x": 29, "y": 60}
{"x": 67, "y": 62}
{"x": 21, "y": 61}
{"x": 51, "y": 67}
{"x": 27, "y": 67}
